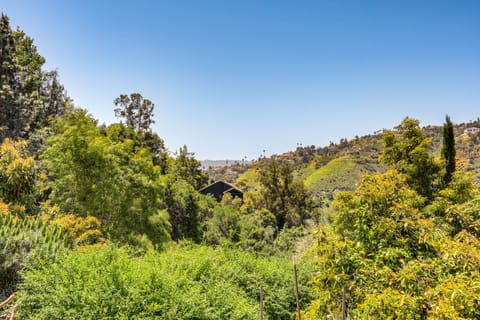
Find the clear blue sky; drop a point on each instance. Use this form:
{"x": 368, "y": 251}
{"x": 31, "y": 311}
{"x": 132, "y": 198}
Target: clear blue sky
{"x": 231, "y": 78}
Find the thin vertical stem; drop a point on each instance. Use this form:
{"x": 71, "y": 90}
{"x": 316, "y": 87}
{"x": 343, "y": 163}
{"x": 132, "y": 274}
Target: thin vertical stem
{"x": 344, "y": 304}
{"x": 297, "y": 295}
{"x": 261, "y": 303}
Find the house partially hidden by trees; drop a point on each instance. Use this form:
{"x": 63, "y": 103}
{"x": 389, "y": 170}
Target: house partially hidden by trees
{"x": 471, "y": 130}
{"x": 219, "y": 188}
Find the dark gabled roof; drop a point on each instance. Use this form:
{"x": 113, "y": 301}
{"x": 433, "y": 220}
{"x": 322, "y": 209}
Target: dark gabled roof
{"x": 219, "y": 188}
{"x": 231, "y": 186}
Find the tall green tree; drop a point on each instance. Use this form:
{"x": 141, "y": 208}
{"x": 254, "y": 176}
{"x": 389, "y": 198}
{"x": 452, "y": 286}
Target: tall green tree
{"x": 189, "y": 169}
{"x": 29, "y": 96}
{"x": 105, "y": 178}
{"x": 156, "y": 145}
{"x": 138, "y": 114}
{"x": 284, "y": 196}
{"x": 181, "y": 201}
{"x": 407, "y": 150}
{"x": 8, "y": 82}
{"x": 119, "y": 132}
{"x": 137, "y": 111}
{"x": 448, "y": 150}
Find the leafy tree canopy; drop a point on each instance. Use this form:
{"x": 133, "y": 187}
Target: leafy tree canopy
{"x": 29, "y": 96}
{"x": 284, "y": 196}
{"x": 137, "y": 111}
{"x": 407, "y": 150}
{"x": 109, "y": 179}
{"x": 18, "y": 175}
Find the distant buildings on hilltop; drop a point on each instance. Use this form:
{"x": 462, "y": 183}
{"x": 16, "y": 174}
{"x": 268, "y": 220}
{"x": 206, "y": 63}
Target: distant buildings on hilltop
{"x": 471, "y": 130}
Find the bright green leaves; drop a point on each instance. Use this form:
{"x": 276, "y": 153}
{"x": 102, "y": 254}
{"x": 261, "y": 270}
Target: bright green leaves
{"x": 382, "y": 212}
{"x": 180, "y": 283}
{"x": 401, "y": 247}
{"x": 82, "y": 163}
{"x": 18, "y": 175}
{"x": 112, "y": 179}
{"x": 407, "y": 150}
{"x": 458, "y": 206}
{"x": 456, "y": 294}
{"x": 389, "y": 304}
{"x": 225, "y": 225}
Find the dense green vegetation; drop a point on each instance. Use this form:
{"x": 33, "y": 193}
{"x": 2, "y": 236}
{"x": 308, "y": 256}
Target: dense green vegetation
{"x": 401, "y": 245}
{"x": 184, "y": 282}
{"x": 101, "y": 222}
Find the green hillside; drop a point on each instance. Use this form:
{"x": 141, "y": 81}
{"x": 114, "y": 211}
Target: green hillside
{"x": 338, "y": 175}
{"x": 340, "y": 166}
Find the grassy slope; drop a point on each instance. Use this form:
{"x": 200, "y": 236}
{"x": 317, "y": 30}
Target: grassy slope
{"x": 339, "y": 174}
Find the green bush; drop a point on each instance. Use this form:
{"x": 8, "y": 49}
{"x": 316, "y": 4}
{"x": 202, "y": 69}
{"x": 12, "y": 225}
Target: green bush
{"x": 185, "y": 282}
{"x": 25, "y": 241}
